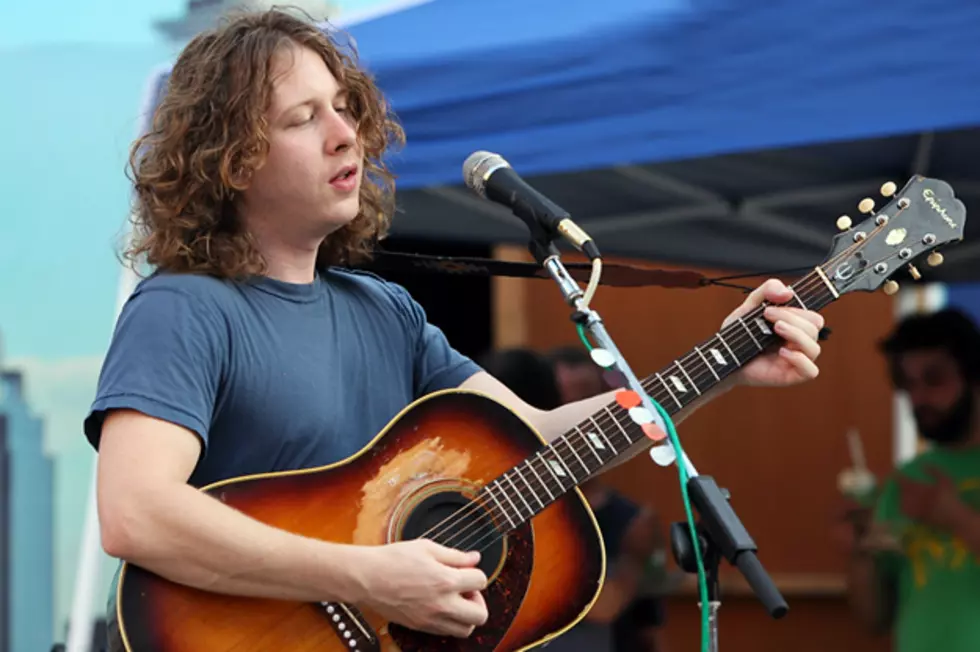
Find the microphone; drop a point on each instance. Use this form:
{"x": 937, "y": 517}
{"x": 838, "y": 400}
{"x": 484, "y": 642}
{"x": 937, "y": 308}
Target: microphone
{"x": 491, "y": 177}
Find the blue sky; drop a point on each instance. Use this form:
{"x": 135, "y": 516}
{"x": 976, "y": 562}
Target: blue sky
{"x": 86, "y": 21}
{"x": 98, "y": 21}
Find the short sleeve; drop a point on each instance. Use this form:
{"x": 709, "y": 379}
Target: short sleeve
{"x": 166, "y": 360}
{"x": 436, "y": 364}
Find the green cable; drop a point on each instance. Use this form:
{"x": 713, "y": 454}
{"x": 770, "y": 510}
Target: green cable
{"x": 682, "y": 474}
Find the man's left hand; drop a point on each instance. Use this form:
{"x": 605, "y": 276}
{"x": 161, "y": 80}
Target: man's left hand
{"x": 794, "y": 362}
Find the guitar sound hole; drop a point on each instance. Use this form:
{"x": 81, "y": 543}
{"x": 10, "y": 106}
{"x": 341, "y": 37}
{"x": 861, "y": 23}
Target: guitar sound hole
{"x": 457, "y": 522}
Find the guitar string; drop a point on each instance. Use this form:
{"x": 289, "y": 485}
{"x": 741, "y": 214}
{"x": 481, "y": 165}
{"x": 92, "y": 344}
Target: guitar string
{"x": 465, "y": 539}
{"x": 742, "y": 341}
{"x": 738, "y": 339}
{"x": 807, "y": 284}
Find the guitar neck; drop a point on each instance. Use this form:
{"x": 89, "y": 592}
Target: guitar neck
{"x": 604, "y": 438}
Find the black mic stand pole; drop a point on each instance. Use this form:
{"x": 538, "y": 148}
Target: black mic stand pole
{"x": 720, "y": 532}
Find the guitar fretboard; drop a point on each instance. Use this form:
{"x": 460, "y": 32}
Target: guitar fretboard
{"x": 604, "y": 437}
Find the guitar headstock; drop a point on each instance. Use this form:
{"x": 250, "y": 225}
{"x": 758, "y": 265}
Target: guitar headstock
{"x": 917, "y": 220}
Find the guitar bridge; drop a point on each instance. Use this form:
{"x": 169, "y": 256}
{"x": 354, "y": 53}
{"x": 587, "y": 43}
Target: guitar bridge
{"x": 351, "y": 627}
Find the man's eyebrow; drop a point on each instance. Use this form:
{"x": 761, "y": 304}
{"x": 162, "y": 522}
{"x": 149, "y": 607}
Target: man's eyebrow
{"x": 295, "y": 105}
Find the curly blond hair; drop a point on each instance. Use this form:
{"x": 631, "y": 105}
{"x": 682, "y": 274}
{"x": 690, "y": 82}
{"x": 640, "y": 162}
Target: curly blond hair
{"x": 209, "y": 133}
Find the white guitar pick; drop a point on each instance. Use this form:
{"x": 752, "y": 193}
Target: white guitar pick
{"x": 663, "y": 455}
{"x": 602, "y": 357}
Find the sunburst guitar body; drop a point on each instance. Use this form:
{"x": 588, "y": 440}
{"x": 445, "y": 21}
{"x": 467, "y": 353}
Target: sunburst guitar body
{"x": 428, "y": 464}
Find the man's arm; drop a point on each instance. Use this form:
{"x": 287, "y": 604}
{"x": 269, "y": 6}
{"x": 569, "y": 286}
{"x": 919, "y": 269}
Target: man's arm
{"x": 150, "y": 516}
{"x": 554, "y": 423}
{"x": 965, "y": 524}
{"x": 873, "y": 556}
{"x": 871, "y": 587}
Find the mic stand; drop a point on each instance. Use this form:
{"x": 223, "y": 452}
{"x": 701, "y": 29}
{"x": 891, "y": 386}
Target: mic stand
{"x": 720, "y": 530}
{"x": 683, "y": 549}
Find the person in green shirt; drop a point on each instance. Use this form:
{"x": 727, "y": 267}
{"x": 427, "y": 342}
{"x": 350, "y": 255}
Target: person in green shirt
{"x": 915, "y": 567}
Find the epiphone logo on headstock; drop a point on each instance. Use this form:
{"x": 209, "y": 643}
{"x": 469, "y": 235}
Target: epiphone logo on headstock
{"x": 930, "y": 198}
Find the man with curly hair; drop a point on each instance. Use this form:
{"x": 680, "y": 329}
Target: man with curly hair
{"x": 252, "y": 348}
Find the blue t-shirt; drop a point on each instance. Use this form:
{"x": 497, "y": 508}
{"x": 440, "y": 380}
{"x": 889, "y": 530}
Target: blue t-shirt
{"x": 273, "y": 376}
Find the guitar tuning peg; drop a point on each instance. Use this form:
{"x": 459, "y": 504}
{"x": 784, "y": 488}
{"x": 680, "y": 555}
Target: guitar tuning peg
{"x": 888, "y": 189}
{"x": 867, "y": 205}
{"x": 890, "y": 287}
{"x": 914, "y": 272}
{"x": 843, "y": 222}
{"x": 935, "y": 259}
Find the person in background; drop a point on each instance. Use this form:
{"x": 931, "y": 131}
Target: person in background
{"x": 618, "y": 621}
{"x": 914, "y": 564}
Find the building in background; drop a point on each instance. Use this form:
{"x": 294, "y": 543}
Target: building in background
{"x": 27, "y": 510}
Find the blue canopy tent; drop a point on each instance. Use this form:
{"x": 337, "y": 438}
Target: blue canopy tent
{"x": 727, "y": 133}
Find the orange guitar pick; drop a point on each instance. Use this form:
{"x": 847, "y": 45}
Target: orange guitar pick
{"x": 628, "y": 399}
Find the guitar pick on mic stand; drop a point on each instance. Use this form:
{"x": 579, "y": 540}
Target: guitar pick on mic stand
{"x": 720, "y": 531}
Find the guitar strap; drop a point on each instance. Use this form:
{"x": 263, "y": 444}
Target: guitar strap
{"x": 613, "y": 274}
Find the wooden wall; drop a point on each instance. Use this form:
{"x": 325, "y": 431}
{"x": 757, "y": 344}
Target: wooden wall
{"x": 777, "y": 450}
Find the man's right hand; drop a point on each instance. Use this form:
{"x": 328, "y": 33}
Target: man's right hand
{"x": 425, "y": 586}
{"x": 857, "y": 533}
{"x": 879, "y": 538}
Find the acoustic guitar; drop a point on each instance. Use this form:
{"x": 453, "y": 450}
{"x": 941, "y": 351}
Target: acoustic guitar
{"x": 465, "y": 471}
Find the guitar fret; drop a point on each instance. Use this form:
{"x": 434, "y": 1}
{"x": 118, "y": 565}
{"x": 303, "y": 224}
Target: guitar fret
{"x": 707, "y": 364}
{"x": 568, "y": 443}
{"x": 551, "y": 496}
{"x": 730, "y": 352}
{"x": 667, "y": 387}
{"x": 749, "y": 331}
{"x": 500, "y": 507}
{"x": 590, "y": 444}
{"x": 684, "y": 371}
{"x": 551, "y": 469}
{"x": 621, "y": 429}
{"x": 603, "y": 435}
{"x": 527, "y": 484}
{"x": 530, "y": 510}
{"x": 503, "y": 490}
{"x": 612, "y": 415}
{"x": 562, "y": 460}
{"x": 747, "y": 349}
{"x": 798, "y": 299}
